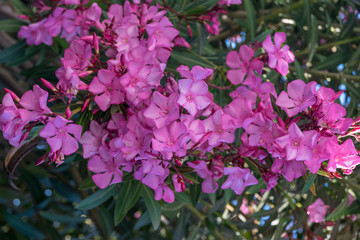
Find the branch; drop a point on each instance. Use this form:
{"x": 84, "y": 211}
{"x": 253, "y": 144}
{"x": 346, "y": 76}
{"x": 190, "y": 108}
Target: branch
{"x": 332, "y": 75}
{"x": 275, "y": 13}
{"x": 328, "y": 45}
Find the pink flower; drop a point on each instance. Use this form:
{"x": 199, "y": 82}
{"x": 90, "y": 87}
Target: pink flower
{"x": 279, "y": 58}
{"x": 317, "y": 211}
{"x": 229, "y": 2}
{"x": 34, "y": 103}
{"x": 162, "y": 110}
{"x": 209, "y": 185}
{"x": 194, "y": 95}
{"x": 343, "y": 156}
{"x": 242, "y": 69}
{"x": 161, "y": 34}
{"x": 299, "y": 97}
{"x": 91, "y": 140}
{"x": 221, "y": 126}
{"x": 171, "y": 139}
{"x": 238, "y": 179}
{"x": 106, "y": 168}
{"x": 57, "y": 134}
{"x": 298, "y": 144}
{"x": 107, "y": 84}
{"x": 11, "y": 123}
{"x": 244, "y": 208}
{"x": 36, "y": 33}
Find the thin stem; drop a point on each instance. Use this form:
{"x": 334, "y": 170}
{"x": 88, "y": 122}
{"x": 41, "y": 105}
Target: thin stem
{"x": 330, "y": 74}
{"x": 329, "y": 45}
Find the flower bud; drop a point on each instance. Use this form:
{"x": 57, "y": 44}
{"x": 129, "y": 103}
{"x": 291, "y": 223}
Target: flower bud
{"x": 189, "y": 30}
{"x": 48, "y": 85}
{"x": 182, "y": 186}
{"x": 13, "y": 95}
{"x": 68, "y": 112}
{"x": 96, "y": 44}
{"x": 85, "y": 105}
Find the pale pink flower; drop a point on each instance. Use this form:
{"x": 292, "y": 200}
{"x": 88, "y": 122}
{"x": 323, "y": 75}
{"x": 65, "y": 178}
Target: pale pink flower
{"x": 317, "y": 211}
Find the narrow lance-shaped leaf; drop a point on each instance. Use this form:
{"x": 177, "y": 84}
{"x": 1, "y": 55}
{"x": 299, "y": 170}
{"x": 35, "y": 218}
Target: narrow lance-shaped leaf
{"x": 97, "y": 198}
{"x": 152, "y": 206}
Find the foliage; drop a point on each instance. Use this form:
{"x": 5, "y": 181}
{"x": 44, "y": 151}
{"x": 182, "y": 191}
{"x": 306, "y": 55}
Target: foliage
{"x": 55, "y": 202}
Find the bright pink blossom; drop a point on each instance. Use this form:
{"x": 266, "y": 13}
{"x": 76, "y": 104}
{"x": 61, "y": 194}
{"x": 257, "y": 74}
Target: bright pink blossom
{"x": 194, "y": 95}
{"x": 243, "y": 68}
{"x": 162, "y": 110}
{"x": 106, "y": 168}
{"x": 279, "y": 57}
{"x": 299, "y": 96}
{"x": 34, "y": 103}
{"x": 238, "y": 179}
{"x": 106, "y": 88}
{"x": 171, "y": 139}
{"x": 209, "y": 185}
{"x": 57, "y": 134}
{"x": 298, "y": 144}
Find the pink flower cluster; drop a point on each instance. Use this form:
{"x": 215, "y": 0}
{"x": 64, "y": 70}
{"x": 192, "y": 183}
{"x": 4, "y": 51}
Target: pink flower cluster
{"x": 156, "y": 130}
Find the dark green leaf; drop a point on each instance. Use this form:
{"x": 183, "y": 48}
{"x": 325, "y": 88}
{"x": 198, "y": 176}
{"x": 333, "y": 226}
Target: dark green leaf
{"x": 195, "y": 191}
{"x": 309, "y": 182}
{"x": 11, "y": 25}
{"x": 152, "y": 206}
{"x": 24, "y": 228}
{"x": 338, "y": 212}
{"x": 251, "y": 18}
{"x": 128, "y": 195}
{"x": 62, "y": 218}
{"x": 97, "y": 198}
{"x": 87, "y": 183}
{"x": 143, "y": 221}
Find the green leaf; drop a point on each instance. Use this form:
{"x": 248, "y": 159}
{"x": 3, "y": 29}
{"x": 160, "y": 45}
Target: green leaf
{"x": 278, "y": 231}
{"x": 348, "y": 27}
{"x": 200, "y": 6}
{"x": 339, "y": 211}
{"x": 152, "y": 206}
{"x": 256, "y": 188}
{"x": 20, "y": 7}
{"x": 87, "y": 183}
{"x": 299, "y": 71}
{"x": 313, "y": 43}
{"x": 11, "y": 25}
{"x": 195, "y": 191}
{"x": 354, "y": 208}
{"x": 182, "y": 197}
{"x": 13, "y": 52}
{"x": 24, "y": 228}
{"x": 106, "y": 220}
{"x": 128, "y": 195}
{"x": 143, "y": 221}
{"x": 172, "y": 209}
{"x": 62, "y": 218}
{"x": 309, "y": 182}
{"x": 251, "y": 18}
{"x": 332, "y": 61}
{"x": 97, "y": 198}
{"x": 191, "y": 59}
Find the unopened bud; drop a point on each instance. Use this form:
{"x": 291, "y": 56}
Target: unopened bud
{"x": 13, "y": 95}
{"x": 68, "y": 112}
{"x": 40, "y": 161}
{"x": 85, "y": 105}
{"x": 189, "y": 30}
{"x": 96, "y": 44}
{"x": 178, "y": 163}
{"x": 182, "y": 186}
{"x": 23, "y": 17}
{"x": 48, "y": 85}
{"x": 83, "y": 86}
